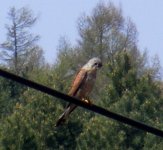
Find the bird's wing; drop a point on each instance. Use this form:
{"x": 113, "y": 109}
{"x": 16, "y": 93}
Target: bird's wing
{"x": 77, "y": 83}
{"x": 79, "y": 79}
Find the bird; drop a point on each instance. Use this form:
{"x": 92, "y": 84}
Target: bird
{"x": 81, "y": 86}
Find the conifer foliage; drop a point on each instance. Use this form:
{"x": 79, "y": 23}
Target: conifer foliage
{"x": 126, "y": 85}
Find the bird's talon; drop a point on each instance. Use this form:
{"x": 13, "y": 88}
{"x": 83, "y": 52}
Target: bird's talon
{"x": 86, "y": 100}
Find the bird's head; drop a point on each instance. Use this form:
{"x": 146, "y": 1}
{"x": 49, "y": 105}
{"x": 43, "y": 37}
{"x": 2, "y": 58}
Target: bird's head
{"x": 94, "y": 63}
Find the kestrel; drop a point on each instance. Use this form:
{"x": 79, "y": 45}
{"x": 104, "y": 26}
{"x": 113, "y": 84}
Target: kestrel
{"x": 81, "y": 86}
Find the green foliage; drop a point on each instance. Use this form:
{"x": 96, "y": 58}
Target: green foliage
{"x": 10, "y": 94}
{"x": 127, "y": 94}
{"x": 125, "y": 85}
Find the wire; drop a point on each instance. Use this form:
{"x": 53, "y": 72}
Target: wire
{"x": 92, "y": 107}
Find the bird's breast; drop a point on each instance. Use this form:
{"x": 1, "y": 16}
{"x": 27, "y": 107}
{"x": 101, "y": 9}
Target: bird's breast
{"x": 88, "y": 84}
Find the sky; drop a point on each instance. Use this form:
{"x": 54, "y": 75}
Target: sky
{"x": 58, "y": 18}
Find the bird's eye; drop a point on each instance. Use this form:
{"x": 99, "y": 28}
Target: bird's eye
{"x": 96, "y": 64}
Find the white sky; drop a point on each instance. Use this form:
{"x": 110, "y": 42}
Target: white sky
{"x": 59, "y": 18}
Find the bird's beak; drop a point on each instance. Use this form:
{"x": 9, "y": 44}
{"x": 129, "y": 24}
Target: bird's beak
{"x": 99, "y": 65}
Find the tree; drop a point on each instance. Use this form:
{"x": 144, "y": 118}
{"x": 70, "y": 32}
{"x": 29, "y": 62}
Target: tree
{"x": 20, "y": 42}
{"x": 20, "y": 55}
{"x": 137, "y": 97}
{"x": 125, "y": 85}
{"x": 105, "y": 32}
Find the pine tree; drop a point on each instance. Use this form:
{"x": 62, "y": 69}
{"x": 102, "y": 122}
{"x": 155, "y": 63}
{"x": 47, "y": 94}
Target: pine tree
{"x": 20, "y": 41}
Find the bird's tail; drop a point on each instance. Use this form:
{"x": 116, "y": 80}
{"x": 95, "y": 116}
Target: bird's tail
{"x": 61, "y": 120}
{"x": 65, "y": 114}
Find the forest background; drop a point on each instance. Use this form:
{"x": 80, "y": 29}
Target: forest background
{"x": 129, "y": 84}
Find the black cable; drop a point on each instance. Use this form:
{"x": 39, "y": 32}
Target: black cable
{"x": 92, "y": 107}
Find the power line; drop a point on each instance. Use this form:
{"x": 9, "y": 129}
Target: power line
{"x": 92, "y": 107}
